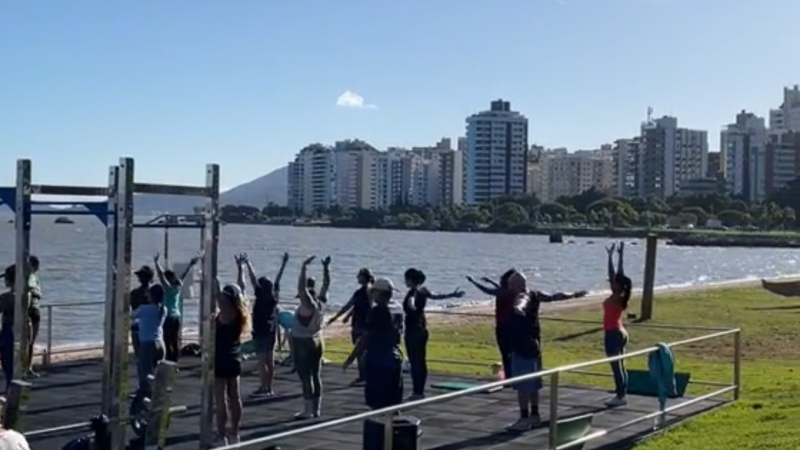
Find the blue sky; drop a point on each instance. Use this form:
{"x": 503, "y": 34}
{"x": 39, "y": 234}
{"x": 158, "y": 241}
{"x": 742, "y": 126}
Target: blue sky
{"x": 247, "y": 83}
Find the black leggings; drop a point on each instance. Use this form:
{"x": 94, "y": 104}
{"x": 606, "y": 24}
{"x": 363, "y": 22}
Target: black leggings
{"x": 505, "y": 340}
{"x": 417, "y": 352}
{"x": 172, "y": 337}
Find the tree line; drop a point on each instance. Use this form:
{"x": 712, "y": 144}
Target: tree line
{"x": 591, "y": 208}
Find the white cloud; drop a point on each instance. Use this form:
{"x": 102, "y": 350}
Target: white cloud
{"x": 350, "y": 99}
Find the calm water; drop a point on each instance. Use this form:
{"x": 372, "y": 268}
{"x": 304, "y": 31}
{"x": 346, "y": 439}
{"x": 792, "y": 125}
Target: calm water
{"x": 73, "y": 261}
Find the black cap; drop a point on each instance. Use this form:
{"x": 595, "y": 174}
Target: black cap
{"x": 145, "y": 271}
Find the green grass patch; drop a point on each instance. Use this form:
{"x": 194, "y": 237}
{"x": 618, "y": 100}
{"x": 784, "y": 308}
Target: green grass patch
{"x": 768, "y": 413}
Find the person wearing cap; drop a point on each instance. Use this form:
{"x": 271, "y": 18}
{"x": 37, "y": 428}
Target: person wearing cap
{"x": 356, "y": 310}
{"x": 307, "y": 341}
{"x": 264, "y": 319}
{"x": 150, "y": 316}
{"x": 232, "y": 321}
{"x": 139, "y": 296}
{"x": 380, "y": 346}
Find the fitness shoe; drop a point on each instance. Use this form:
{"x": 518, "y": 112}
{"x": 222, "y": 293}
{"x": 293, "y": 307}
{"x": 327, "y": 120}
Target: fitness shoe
{"x": 522, "y": 424}
{"x": 616, "y": 401}
{"x": 235, "y": 439}
{"x": 415, "y": 397}
{"x": 220, "y": 441}
{"x": 535, "y": 421}
{"x": 308, "y": 407}
{"x": 263, "y": 392}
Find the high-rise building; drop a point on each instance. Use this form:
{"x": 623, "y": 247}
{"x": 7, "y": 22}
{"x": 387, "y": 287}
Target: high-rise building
{"x": 495, "y": 160}
{"x": 312, "y": 178}
{"x": 669, "y": 155}
{"x": 743, "y": 156}
{"x": 356, "y": 170}
{"x": 569, "y": 174}
{"x": 782, "y": 159}
{"x": 787, "y": 116}
{"x": 626, "y": 167}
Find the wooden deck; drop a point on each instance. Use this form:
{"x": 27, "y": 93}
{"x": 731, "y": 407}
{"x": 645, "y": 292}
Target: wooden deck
{"x": 71, "y": 393}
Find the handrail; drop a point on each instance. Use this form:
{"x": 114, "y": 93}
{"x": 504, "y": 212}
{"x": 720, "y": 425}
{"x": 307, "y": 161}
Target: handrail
{"x": 390, "y": 411}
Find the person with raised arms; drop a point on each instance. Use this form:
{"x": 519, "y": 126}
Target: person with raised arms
{"x": 504, "y": 305}
{"x": 615, "y": 335}
{"x": 416, "y": 327}
{"x": 356, "y": 311}
{"x": 232, "y": 322}
{"x": 380, "y": 347}
{"x": 173, "y": 287}
{"x": 307, "y": 341}
{"x": 150, "y": 316}
{"x": 265, "y": 321}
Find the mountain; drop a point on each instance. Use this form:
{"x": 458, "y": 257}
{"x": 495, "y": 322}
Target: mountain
{"x": 265, "y": 189}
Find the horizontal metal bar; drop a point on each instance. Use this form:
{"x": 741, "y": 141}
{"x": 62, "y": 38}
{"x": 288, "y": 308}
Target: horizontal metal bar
{"x": 83, "y": 425}
{"x": 71, "y": 305}
{"x": 75, "y": 191}
{"x": 65, "y": 203}
{"x": 191, "y": 226}
{"x": 170, "y": 189}
{"x": 69, "y": 212}
{"x": 463, "y": 393}
{"x": 650, "y": 416}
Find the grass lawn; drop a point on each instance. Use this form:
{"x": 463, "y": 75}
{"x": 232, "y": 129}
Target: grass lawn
{"x": 768, "y": 413}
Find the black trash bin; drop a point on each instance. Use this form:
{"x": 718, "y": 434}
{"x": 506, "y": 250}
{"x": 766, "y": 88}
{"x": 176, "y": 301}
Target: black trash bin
{"x": 407, "y": 432}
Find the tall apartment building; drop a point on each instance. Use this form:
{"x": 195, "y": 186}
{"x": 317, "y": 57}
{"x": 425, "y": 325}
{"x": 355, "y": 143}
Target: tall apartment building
{"x": 782, "y": 159}
{"x": 743, "y": 157}
{"x": 626, "y": 166}
{"x": 787, "y": 116}
{"x": 495, "y": 160}
{"x": 669, "y": 155}
{"x": 568, "y": 174}
{"x": 321, "y": 177}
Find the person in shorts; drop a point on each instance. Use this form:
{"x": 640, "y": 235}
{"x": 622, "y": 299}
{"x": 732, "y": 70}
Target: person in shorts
{"x": 379, "y": 345}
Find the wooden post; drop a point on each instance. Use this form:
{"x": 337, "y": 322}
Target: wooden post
{"x": 649, "y": 277}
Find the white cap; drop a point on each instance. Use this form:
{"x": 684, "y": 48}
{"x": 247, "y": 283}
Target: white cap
{"x": 383, "y": 284}
{"x": 231, "y": 290}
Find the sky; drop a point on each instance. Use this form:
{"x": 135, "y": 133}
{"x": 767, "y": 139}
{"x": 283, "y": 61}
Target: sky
{"x": 247, "y": 83}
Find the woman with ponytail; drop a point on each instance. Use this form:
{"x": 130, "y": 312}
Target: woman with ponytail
{"x": 616, "y": 336}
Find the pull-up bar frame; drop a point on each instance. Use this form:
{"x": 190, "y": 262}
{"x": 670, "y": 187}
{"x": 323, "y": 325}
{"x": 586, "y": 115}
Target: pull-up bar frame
{"x": 117, "y": 214}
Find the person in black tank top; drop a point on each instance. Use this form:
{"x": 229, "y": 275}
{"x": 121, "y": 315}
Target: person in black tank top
{"x": 265, "y": 321}
{"x": 416, "y": 327}
{"x": 231, "y": 322}
{"x": 356, "y": 310}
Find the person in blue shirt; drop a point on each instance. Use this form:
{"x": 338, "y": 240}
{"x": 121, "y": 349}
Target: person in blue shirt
{"x": 150, "y": 316}
{"x": 173, "y": 287}
{"x": 380, "y": 347}
{"x": 264, "y": 319}
{"x": 356, "y": 311}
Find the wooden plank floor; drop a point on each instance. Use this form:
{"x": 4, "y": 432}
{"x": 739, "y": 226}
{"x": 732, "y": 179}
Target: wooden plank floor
{"x": 71, "y": 393}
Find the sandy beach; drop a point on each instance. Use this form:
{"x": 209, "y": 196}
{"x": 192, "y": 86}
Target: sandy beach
{"x": 469, "y": 314}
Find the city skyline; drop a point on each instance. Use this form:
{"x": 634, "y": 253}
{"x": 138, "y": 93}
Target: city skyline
{"x": 244, "y": 86}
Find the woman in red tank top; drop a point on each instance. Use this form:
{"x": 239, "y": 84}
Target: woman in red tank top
{"x": 616, "y": 337}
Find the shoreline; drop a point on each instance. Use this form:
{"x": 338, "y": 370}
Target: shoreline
{"x": 457, "y": 315}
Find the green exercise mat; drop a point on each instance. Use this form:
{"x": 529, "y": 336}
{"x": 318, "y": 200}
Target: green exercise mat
{"x": 459, "y": 386}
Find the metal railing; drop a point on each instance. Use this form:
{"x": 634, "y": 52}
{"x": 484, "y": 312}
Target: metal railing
{"x": 388, "y": 414}
{"x": 48, "y": 352}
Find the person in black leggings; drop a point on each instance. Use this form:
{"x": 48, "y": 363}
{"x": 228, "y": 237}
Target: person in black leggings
{"x": 416, "y": 327}
{"x": 356, "y": 310}
{"x": 7, "y": 303}
{"x": 232, "y": 320}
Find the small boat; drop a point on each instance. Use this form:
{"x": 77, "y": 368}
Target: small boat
{"x": 556, "y": 237}
{"x": 63, "y": 220}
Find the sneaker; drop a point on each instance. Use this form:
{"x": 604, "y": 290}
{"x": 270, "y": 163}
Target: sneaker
{"x": 415, "y": 397}
{"x": 220, "y": 441}
{"x": 357, "y": 382}
{"x": 522, "y": 424}
{"x": 31, "y": 374}
{"x": 263, "y": 392}
{"x": 617, "y": 401}
{"x": 234, "y": 439}
{"x": 308, "y": 411}
{"x": 535, "y": 421}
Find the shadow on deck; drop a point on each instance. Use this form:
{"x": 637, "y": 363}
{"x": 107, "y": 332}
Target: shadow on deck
{"x": 71, "y": 393}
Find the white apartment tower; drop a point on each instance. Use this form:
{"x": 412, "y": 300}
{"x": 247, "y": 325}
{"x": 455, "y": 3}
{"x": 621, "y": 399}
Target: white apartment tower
{"x": 787, "y": 116}
{"x": 311, "y": 184}
{"x": 495, "y": 160}
{"x": 669, "y": 155}
{"x": 743, "y": 153}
